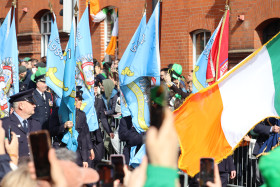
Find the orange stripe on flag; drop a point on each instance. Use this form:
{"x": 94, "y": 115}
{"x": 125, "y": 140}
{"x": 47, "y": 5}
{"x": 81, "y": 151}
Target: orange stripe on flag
{"x": 94, "y": 6}
{"x": 112, "y": 46}
{"x": 198, "y": 124}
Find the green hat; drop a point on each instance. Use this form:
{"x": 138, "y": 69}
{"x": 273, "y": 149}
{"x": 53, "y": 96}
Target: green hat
{"x": 176, "y": 71}
{"x": 26, "y": 59}
{"x": 39, "y": 76}
{"x": 270, "y": 167}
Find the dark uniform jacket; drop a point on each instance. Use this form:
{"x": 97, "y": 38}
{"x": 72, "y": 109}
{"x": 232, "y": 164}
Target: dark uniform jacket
{"x": 42, "y": 110}
{"x": 263, "y": 132}
{"x": 100, "y": 108}
{"x": 227, "y": 165}
{"x": 84, "y": 141}
{"x": 128, "y": 134}
{"x": 16, "y": 127}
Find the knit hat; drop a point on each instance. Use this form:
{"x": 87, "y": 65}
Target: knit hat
{"x": 21, "y": 69}
{"x": 39, "y": 76}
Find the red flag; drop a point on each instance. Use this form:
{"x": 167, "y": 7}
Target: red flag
{"x": 218, "y": 60}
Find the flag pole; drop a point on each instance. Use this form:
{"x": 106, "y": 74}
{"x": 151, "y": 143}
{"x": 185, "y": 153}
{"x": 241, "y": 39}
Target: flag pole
{"x": 220, "y": 40}
{"x": 76, "y": 9}
{"x": 14, "y": 5}
{"x": 89, "y": 18}
{"x": 160, "y": 18}
{"x": 51, "y": 10}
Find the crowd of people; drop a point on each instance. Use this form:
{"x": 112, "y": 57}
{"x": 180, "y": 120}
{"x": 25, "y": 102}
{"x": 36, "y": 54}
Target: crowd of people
{"x": 36, "y": 107}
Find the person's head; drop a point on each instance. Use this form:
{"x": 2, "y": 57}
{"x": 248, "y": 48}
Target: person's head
{"x": 114, "y": 76}
{"x": 18, "y": 177}
{"x": 34, "y": 62}
{"x": 22, "y": 71}
{"x": 27, "y": 63}
{"x": 44, "y": 59}
{"x": 79, "y": 97}
{"x": 97, "y": 68}
{"x": 176, "y": 72}
{"x": 39, "y": 78}
{"x": 23, "y": 103}
{"x": 163, "y": 73}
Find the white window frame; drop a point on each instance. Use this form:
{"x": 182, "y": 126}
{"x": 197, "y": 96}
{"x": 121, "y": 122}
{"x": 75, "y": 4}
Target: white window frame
{"x": 194, "y": 42}
{"x": 45, "y": 36}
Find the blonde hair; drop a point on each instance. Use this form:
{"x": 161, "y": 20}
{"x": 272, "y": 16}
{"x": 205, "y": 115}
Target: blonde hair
{"x": 18, "y": 177}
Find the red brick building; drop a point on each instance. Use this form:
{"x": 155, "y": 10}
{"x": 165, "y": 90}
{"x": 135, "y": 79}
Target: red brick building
{"x": 185, "y": 27}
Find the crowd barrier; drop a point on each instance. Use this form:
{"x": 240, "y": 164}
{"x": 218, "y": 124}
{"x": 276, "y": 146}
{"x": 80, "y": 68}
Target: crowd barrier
{"x": 245, "y": 163}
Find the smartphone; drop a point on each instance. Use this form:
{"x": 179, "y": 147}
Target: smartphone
{"x": 106, "y": 174}
{"x": 39, "y": 145}
{"x": 9, "y": 134}
{"x": 157, "y": 105}
{"x": 206, "y": 171}
{"x": 118, "y": 162}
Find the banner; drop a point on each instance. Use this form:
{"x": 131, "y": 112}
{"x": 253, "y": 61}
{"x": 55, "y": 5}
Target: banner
{"x": 9, "y": 80}
{"x": 55, "y": 62}
{"x": 85, "y": 70}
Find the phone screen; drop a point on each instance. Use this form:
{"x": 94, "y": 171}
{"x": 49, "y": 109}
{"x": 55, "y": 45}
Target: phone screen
{"x": 206, "y": 171}
{"x": 106, "y": 174}
{"x": 118, "y": 162}
{"x": 39, "y": 143}
{"x": 157, "y": 104}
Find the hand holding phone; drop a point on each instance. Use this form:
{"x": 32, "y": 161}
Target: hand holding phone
{"x": 118, "y": 162}
{"x": 39, "y": 145}
{"x": 206, "y": 171}
{"x": 106, "y": 174}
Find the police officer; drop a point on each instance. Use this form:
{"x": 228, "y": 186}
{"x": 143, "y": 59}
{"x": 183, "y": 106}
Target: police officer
{"x": 42, "y": 97}
{"x": 19, "y": 121}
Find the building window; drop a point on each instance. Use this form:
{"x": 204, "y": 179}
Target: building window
{"x": 108, "y": 28}
{"x": 271, "y": 30}
{"x": 46, "y": 20}
{"x": 200, "y": 39}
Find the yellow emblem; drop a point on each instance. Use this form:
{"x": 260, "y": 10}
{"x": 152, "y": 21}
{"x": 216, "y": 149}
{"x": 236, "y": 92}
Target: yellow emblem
{"x": 127, "y": 72}
{"x": 51, "y": 74}
{"x": 196, "y": 83}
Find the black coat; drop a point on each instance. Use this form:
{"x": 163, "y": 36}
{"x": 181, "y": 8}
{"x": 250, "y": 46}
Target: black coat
{"x": 43, "y": 109}
{"x": 100, "y": 108}
{"x": 16, "y": 127}
{"x": 84, "y": 141}
{"x": 226, "y": 165}
{"x": 27, "y": 81}
{"x": 263, "y": 132}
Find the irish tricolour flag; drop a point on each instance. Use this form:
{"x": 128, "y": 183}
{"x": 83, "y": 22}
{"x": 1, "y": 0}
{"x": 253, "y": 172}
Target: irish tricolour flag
{"x": 212, "y": 122}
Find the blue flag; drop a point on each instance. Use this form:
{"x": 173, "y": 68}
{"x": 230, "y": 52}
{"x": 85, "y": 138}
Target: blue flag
{"x": 146, "y": 60}
{"x": 9, "y": 80}
{"x": 85, "y": 70}
{"x": 4, "y": 31}
{"x": 137, "y": 96}
{"x": 67, "y": 109}
{"x": 199, "y": 73}
{"x": 55, "y": 62}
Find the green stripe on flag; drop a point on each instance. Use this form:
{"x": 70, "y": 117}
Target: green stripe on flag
{"x": 273, "y": 48}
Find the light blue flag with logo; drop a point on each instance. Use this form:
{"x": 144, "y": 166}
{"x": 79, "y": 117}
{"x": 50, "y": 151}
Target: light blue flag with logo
{"x": 4, "y": 31}
{"x": 85, "y": 70}
{"x": 9, "y": 80}
{"x": 124, "y": 107}
{"x": 199, "y": 72}
{"x": 140, "y": 61}
{"x": 67, "y": 109}
{"x": 55, "y": 62}
{"x": 146, "y": 60}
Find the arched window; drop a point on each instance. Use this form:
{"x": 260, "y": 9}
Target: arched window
{"x": 200, "y": 39}
{"x": 108, "y": 27}
{"x": 46, "y": 20}
{"x": 271, "y": 30}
